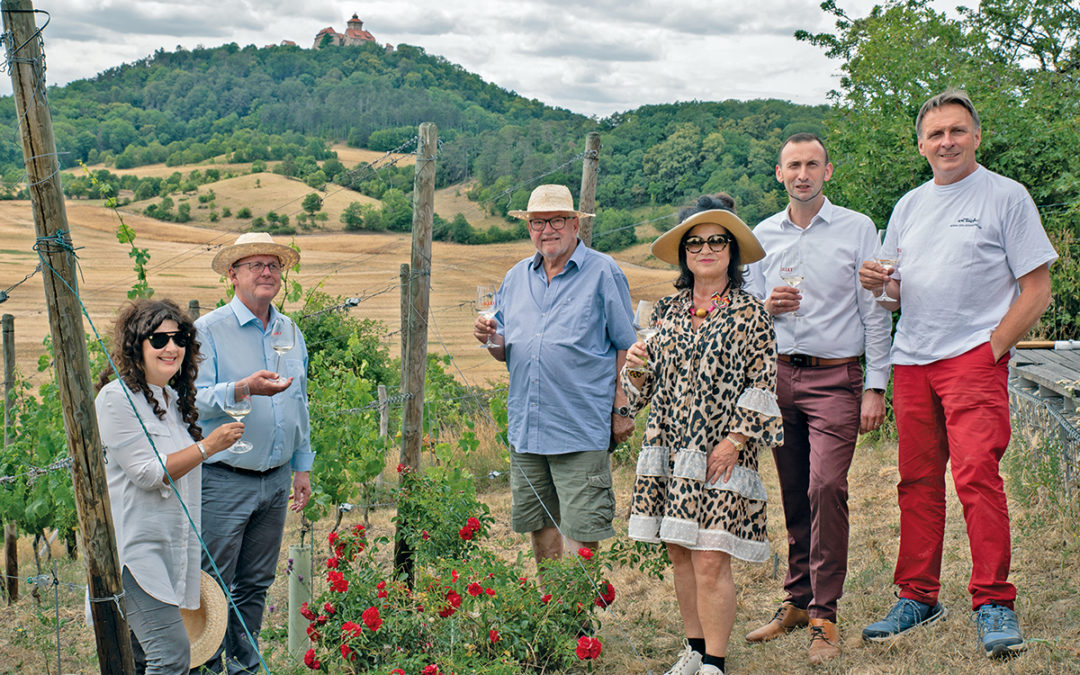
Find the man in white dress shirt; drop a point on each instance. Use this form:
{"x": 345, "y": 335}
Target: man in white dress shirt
{"x": 822, "y": 331}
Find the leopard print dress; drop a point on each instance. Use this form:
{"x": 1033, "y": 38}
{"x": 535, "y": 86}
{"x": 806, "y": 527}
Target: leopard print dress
{"x": 701, "y": 385}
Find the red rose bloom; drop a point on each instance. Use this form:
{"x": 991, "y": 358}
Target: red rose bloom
{"x": 425, "y": 536}
{"x": 397, "y": 671}
{"x": 313, "y": 634}
{"x": 490, "y": 591}
{"x": 337, "y": 581}
{"x": 332, "y": 538}
{"x": 453, "y": 575}
{"x": 310, "y": 661}
{"x": 351, "y": 628}
{"x": 307, "y": 613}
{"x": 475, "y": 589}
{"x": 347, "y": 653}
{"x": 465, "y": 533}
{"x": 329, "y": 609}
{"x": 333, "y": 562}
{"x": 586, "y": 553}
{"x": 321, "y": 619}
{"x": 588, "y": 648}
{"x": 607, "y": 595}
{"x": 430, "y": 669}
{"x": 545, "y": 598}
{"x": 473, "y": 524}
{"x": 371, "y": 618}
{"x": 493, "y": 635}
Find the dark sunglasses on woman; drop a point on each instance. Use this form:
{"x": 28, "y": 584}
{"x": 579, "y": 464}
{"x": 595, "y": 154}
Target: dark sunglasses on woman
{"x": 159, "y": 340}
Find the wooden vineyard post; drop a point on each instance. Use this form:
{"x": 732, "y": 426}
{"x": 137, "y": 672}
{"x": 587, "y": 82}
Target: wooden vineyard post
{"x": 25, "y": 61}
{"x": 587, "y": 200}
{"x": 11, "y": 532}
{"x": 415, "y": 355}
{"x": 403, "y": 276}
{"x": 193, "y": 309}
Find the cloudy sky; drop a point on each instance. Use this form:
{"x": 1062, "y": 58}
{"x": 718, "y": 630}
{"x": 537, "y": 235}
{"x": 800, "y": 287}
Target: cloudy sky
{"x": 592, "y": 56}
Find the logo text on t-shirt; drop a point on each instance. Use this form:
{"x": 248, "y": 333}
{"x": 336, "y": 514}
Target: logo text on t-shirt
{"x": 967, "y": 222}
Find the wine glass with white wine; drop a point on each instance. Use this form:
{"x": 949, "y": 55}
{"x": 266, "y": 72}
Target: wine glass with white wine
{"x": 887, "y": 258}
{"x": 282, "y": 340}
{"x": 485, "y": 307}
{"x": 791, "y": 269}
{"x": 237, "y": 407}
{"x": 646, "y": 327}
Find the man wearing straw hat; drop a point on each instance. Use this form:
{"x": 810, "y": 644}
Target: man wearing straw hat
{"x": 826, "y": 401}
{"x": 562, "y": 325}
{"x": 246, "y": 494}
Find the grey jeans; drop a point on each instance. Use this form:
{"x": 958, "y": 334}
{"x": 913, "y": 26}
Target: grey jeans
{"x": 243, "y": 517}
{"x": 158, "y": 639}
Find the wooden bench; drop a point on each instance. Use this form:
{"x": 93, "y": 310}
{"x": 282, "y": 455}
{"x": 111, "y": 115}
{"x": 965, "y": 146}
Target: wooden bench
{"x": 1044, "y": 390}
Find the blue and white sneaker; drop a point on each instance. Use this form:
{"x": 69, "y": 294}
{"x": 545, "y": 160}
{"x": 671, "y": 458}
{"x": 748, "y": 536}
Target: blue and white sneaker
{"x": 999, "y": 631}
{"x": 905, "y": 615}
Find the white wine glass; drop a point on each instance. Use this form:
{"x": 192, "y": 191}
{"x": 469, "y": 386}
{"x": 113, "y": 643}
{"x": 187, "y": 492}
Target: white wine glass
{"x": 238, "y": 406}
{"x": 282, "y": 340}
{"x": 646, "y": 327}
{"x": 485, "y": 307}
{"x": 887, "y": 258}
{"x": 791, "y": 269}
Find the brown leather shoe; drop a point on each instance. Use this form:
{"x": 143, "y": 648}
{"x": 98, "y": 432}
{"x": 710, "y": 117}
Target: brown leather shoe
{"x": 824, "y": 641}
{"x": 787, "y": 618}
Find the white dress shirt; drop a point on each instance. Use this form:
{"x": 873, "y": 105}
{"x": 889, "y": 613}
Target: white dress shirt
{"x": 837, "y": 317}
{"x": 154, "y": 538}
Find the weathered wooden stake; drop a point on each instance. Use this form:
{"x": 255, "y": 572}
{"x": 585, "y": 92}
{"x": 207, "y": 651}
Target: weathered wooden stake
{"x": 587, "y": 199}
{"x": 412, "y": 418}
{"x": 25, "y": 61}
{"x": 403, "y": 276}
{"x": 193, "y": 309}
{"x": 11, "y": 531}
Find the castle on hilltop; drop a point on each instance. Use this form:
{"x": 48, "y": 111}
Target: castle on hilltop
{"x": 354, "y": 35}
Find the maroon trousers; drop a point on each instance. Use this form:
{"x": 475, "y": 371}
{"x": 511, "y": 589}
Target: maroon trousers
{"x": 821, "y": 409}
{"x": 954, "y": 411}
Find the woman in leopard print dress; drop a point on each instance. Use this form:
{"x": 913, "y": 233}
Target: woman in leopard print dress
{"x": 709, "y": 378}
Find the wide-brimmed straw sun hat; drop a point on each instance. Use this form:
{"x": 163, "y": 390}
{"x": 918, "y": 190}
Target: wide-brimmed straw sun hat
{"x": 550, "y": 199}
{"x": 666, "y": 247}
{"x": 249, "y": 244}
{"x": 206, "y": 625}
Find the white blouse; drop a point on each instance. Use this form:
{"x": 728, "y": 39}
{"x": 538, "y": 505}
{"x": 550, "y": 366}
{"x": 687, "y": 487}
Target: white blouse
{"x": 154, "y": 537}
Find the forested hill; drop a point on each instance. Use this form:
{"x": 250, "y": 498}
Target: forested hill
{"x": 268, "y": 103}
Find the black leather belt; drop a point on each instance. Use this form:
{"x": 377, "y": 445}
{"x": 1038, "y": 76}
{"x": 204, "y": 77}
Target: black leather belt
{"x": 244, "y": 472}
{"x": 807, "y": 361}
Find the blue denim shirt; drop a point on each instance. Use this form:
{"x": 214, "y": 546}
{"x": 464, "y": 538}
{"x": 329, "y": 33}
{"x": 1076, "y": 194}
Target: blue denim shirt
{"x": 235, "y": 345}
{"x": 561, "y": 342}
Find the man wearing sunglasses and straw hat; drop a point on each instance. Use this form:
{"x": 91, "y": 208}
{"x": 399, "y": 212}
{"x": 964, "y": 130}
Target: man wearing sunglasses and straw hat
{"x": 246, "y": 494}
{"x": 562, "y": 325}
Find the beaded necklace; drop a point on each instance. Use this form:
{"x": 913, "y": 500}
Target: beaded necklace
{"x": 718, "y": 299}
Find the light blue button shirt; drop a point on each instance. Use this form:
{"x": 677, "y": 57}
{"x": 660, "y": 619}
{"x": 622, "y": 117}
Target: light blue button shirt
{"x": 561, "y": 345}
{"x": 234, "y": 344}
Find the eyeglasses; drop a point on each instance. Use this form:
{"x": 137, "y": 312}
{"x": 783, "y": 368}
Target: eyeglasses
{"x": 258, "y": 267}
{"x": 557, "y": 224}
{"x": 716, "y": 242}
{"x": 159, "y": 340}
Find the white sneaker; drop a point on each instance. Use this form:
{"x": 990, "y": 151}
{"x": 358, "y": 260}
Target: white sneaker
{"x": 689, "y": 662}
{"x": 709, "y": 670}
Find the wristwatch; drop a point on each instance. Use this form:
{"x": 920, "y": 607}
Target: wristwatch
{"x": 623, "y": 410}
{"x": 876, "y": 391}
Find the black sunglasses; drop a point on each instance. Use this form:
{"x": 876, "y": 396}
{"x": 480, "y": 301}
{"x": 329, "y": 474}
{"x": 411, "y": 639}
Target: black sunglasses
{"x": 716, "y": 242}
{"x": 159, "y": 340}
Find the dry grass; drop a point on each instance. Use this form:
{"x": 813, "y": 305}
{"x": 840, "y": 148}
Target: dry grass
{"x": 642, "y": 634}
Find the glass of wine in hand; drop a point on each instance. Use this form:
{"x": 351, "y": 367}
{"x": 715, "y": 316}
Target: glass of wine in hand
{"x": 485, "y": 306}
{"x": 791, "y": 269}
{"x": 238, "y": 406}
{"x": 887, "y": 258}
{"x": 282, "y": 339}
{"x": 645, "y": 327}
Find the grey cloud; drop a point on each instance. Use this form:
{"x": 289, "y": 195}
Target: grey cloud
{"x": 611, "y": 51}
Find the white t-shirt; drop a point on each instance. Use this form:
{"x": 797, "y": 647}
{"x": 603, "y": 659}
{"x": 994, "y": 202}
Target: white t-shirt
{"x": 962, "y": 248}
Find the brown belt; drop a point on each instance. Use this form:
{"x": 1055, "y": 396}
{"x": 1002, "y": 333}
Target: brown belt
{"x": 807, "y": 361}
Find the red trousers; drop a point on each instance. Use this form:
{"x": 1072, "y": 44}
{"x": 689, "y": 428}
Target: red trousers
{"x": 953, "y": 411}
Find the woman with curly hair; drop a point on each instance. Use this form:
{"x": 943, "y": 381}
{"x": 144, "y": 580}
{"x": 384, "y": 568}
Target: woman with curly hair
{"x": 709, "y": 378}
{"x": 153, "y": 444}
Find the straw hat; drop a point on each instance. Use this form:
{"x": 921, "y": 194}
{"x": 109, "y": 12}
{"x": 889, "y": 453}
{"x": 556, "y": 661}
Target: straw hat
{"x": 550, "y": 199}
{"x": 666, "y": 247}
{"x": 206, "y": 625}
{"x": 249, "y": 244}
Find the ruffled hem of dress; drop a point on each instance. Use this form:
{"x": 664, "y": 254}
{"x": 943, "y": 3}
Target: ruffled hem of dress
{"x": 690, "y": 464}
{"x": 653, "y": 529}
{"x": 759, "y": 401}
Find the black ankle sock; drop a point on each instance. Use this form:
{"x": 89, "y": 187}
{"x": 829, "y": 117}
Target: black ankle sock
{"x": 710, "y": 660}
{"x": 697, "y": 644}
